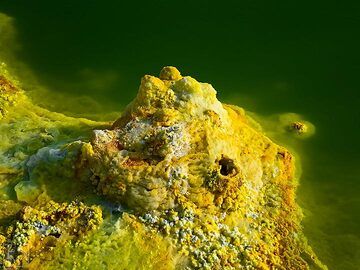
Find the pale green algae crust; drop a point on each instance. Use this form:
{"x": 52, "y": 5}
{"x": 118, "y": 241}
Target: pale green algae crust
{"x": 50, "y": 219}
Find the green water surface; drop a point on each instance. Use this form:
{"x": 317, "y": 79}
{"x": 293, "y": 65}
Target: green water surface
{"x": 267, "y": 56}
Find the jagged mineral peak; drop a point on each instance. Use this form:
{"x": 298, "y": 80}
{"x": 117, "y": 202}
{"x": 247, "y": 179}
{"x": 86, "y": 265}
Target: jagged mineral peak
{"x": 185, "y": 162}
{"x": 170, "y": 73}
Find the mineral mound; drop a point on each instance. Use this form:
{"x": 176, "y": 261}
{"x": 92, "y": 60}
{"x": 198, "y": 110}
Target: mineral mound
{"x": 179, "y": 173}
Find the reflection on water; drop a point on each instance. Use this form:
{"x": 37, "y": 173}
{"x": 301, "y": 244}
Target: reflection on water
{"x": 268, "y": 59}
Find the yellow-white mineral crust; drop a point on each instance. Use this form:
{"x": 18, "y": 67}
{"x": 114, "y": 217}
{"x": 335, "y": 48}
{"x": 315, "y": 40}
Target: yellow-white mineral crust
{"x": 38, "y": 231}
{"x": 181, "y": 181}
{"x": 197, "y": 172}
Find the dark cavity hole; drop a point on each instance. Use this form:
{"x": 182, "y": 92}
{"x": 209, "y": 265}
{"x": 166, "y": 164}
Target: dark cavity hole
{"x": 57, "y": 235}
{"x": 227, "y": 166}
{"x": 95, "y": 179}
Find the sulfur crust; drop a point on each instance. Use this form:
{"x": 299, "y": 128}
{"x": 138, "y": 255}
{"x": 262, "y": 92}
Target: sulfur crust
{"x": 251, "y": 208}
{"x": 194, "y": 182}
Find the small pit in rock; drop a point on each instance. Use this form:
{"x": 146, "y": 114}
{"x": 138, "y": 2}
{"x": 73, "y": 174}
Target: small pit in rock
{"x": 227, "y": 166}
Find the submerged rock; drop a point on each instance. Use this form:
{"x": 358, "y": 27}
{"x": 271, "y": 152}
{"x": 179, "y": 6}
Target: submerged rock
{"x": 193, "y": 174}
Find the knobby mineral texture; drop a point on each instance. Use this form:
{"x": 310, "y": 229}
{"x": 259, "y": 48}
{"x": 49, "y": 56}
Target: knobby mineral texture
{"x": 185, "y": 176}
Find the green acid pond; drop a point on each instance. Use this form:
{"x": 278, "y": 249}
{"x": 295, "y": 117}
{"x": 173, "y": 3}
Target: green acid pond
{"x": 268, "y": 57}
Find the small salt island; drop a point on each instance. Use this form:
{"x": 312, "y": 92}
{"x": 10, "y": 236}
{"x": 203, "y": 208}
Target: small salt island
{"x": 178, "y": 181}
